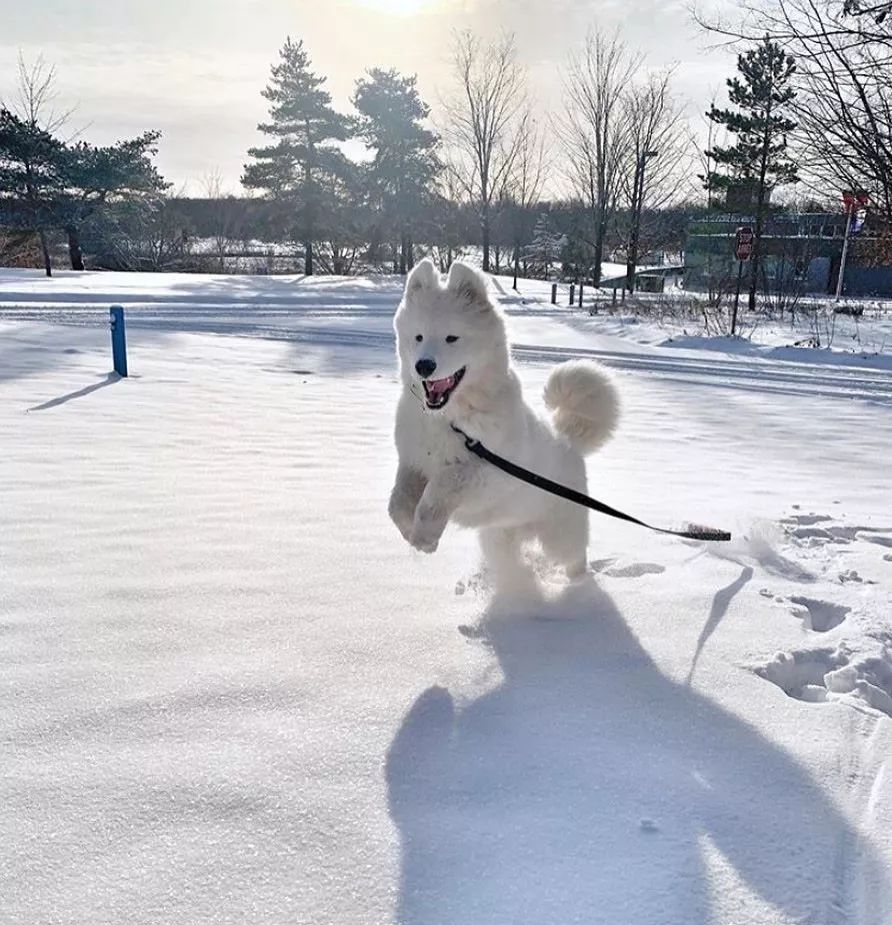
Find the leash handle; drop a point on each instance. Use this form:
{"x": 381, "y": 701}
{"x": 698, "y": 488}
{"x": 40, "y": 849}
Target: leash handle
{"x": 705, "y": 534}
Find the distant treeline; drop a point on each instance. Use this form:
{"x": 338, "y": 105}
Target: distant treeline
{"x": 244, "y": 234}
{"x": 610, "y": 176}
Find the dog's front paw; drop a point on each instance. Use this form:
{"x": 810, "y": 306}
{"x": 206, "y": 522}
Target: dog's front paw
{"x": 426, "y": 530}
{"x": 403, "y": 517}
{"x": 424, "y": 540}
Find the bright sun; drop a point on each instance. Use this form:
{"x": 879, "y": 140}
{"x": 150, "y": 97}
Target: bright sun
{"x": 400, "y": 7}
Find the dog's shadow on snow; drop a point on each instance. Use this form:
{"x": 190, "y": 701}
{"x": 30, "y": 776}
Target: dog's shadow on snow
{"x": 588, "y": 787}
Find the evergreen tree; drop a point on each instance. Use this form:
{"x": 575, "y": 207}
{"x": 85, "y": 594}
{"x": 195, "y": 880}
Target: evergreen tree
{"x": 405, "y": 164}
{"x": 303, "y": 163}
{"x": 545, "y": 249}
{"x": 347, "y": 221}
{"x": 30, "y": 160}
{"x": 94, "y": 177}
{"x": 762, "y": 96}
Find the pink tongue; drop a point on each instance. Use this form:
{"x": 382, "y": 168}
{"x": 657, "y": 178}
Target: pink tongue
{"x": 437, "y": 387}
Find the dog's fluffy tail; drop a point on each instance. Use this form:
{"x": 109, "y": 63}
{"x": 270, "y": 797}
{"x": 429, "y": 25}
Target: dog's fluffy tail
{"x": 584, "y": 402}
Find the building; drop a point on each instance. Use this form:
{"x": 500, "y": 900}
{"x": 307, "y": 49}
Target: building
{"x": 801, "y": 252}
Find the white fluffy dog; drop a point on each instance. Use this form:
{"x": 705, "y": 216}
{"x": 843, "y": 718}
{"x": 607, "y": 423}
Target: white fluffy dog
{"x": 455, "y": 369}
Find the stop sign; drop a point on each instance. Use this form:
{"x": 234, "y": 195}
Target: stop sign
{"x": 743, "y": 244}
{"x": 849, "y": 198}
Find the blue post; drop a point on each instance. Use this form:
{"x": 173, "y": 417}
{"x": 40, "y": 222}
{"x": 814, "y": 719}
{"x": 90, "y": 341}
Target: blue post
{"x": 119, "y": 340}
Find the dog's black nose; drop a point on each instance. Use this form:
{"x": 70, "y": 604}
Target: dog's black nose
{"x": 425, "y": 367}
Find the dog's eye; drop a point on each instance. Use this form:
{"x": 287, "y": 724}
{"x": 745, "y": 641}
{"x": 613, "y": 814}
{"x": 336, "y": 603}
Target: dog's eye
{"x": 419, "y": 338}
{"x": 451, "y": 339}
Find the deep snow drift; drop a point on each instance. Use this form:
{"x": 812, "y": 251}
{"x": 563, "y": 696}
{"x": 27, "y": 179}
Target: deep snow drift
{"x": 231, "y": 693}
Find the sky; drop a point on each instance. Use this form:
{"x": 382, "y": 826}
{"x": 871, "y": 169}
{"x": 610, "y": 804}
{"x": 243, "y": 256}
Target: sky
{"x": 194, "y": 69}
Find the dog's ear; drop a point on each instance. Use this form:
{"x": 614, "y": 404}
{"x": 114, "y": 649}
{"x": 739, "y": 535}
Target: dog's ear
{"x": 424, "y": 276}
{"x": 467, "y": 283}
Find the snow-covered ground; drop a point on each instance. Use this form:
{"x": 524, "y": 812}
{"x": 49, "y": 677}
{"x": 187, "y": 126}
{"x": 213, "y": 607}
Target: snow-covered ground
{"x": 231, "y": 693}
{"x": 675, "y": 319}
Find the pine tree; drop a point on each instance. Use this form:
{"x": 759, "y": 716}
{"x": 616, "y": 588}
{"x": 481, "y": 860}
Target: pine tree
{"x": 303, "y": 164}
{"x": 545, "y": 249}
{"x": 762, "y": 95}
{"x": 30, "y": 160}
{"x": 405, "y": 164}
{"x": 93, "y": 177}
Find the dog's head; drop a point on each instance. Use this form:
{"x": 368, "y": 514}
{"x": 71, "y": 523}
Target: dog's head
{"x": 450, "y": 338}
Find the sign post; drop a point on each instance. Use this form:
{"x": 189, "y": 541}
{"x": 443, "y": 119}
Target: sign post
{"x": 743, "y": 250}
{"x": 850, "y": 200}
{"x": 118, "y": 339}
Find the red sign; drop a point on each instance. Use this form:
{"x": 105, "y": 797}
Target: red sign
{"x": 849, "y": 199}
{"x": 743, "y": 244}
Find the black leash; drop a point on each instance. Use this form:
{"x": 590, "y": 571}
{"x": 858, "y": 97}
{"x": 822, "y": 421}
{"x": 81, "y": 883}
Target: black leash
{"x": 707, "y": 534}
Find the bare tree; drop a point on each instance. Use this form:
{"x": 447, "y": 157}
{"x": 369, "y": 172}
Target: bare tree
{"x": 35, "y": 100}
{"x": 658, "y": 162}
{"x": 715, "y": 135}
{"x": 482, "y": 120}
{"x": 844, "y": 87}
{"x": 34, "y": 107}
{"x": 845, "y": 104}
{"x": 226, "y": 215}
{"x": 595, "y": 129}
{"x": 211, "y": 184}
{"x": 524, "y": 184}
{"x": 449, "y": 197}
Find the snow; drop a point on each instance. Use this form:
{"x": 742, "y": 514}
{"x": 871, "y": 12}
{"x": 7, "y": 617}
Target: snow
{"x": 231, "y": 693}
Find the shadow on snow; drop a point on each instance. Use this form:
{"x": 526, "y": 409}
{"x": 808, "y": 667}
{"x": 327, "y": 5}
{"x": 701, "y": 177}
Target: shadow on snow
{"x": 587, "y": 786}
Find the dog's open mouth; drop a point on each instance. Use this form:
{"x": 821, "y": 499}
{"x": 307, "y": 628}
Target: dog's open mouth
{"x": 437, "y": 391}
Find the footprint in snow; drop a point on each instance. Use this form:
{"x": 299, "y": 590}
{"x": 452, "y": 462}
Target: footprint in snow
{"x": 820, "y": 616}
{"x": 811, "y": 530}
{"x": 806, "y": 520}
{"x": 771, "y": 596}
{"x": 823, "y": 675}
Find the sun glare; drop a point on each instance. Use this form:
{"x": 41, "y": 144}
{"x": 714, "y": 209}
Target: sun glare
{"x": 399, "y": 7}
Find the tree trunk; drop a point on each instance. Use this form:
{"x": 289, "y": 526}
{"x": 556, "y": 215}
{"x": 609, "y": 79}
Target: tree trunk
{"x": 404, "y": 247}
{"x": 755, "y": 258}
{"x": 637, "y": 196}
{"x": 74, "y": 248}
{"x": 516, "y": 265}
{"x": 308, "y": 258}
{"x": 600, "y": 235}
{"x": 484, "y": 230}
{"x": 44, "y": 247}
{"x": 410, "y": 254}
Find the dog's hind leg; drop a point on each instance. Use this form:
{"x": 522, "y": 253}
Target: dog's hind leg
{"x": 501, "y": 548}
{"x": 564, "y": 539}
